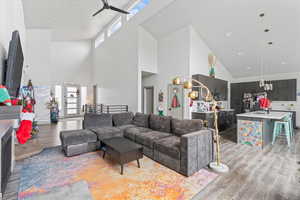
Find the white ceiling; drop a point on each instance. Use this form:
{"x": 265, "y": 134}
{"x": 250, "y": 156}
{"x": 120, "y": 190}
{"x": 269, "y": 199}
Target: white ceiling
{"x": 69, "y": 19}
{"x": 241, "y": 53}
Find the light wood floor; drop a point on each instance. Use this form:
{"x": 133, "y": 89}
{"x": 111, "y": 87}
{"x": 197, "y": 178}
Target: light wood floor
{"x": 269, "y": 174}
{"x": 48, "y": 137}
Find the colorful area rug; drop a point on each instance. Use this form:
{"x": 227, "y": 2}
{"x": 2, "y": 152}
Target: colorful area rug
{"x": 51, "y": 169}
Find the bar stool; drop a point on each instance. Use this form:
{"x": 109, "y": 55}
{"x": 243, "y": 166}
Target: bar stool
{"x": 286, "y": 124}
{"x": 291, "y": 125}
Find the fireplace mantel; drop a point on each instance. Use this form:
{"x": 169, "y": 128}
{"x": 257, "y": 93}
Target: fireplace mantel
{"x": 6, "y": 127}
{"x": 10, "y": 112}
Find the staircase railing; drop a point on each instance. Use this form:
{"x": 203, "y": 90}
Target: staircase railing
{"x": 101, "y": 108}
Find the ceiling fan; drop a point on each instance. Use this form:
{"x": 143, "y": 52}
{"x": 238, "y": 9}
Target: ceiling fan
{"x": 109, "y": 7}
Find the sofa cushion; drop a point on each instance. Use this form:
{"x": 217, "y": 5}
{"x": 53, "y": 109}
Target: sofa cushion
{"x": 169, "y": 146}
{"x": 92, "y": 120}
{"x": 181, "y": 127}
{"x": 148, "y": 138}
{"x": 160, "y": 123}
{"x": 130, "y": 133}
{"x": 74, "y": 137}
{"x": 120, "y": 119}
{"x": 107, "y": 132}
{"x": 124, "y": 127}
{"x": 141, "y": 120}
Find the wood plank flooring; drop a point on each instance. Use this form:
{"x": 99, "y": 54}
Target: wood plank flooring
{"x": 48, "y": 137}
{"x": 269, "y": 174}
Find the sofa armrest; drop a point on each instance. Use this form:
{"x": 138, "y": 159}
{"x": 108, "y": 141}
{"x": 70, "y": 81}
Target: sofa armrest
{"x": 196, "y": 150}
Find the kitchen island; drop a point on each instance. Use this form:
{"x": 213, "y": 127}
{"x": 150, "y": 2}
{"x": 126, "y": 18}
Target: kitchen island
{"x": 256, "y": 128}
{"x": 226, "y": 118}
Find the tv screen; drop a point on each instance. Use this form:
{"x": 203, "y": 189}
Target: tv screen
{"x": 14, "y": 67}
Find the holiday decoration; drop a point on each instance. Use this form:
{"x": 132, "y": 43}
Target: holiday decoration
{"x": 52, "y": 105}
{"x": 264, "y": 103}
{"x": 175, "y": 102}
{"x": 4, "y": 96}
{"x": 160, "y": 110}
{"x": 25, "y": 129}
{"x": 160, "y": 96}
{"x": 28, "y": 127}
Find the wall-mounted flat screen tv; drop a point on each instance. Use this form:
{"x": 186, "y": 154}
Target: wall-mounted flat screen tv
{"x": 14, "y": 66}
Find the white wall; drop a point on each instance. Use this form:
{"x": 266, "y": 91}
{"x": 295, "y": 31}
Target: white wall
{"x": 39, "y": 56}
{"x": 182, "y": 53}
{"x": 116, "y": 61}
{"x": 279, "y": 105}
{"x": 71, "y": 62}
{"x": 199, "y": 52}
{"x": 11, "y": 19}
{"x": 173, "y": 60}
{"x": 57, "y": 62}
{"x": 116, "y": 69}
{"x": 147, "y": 51}
{"x": 199, "y": 58}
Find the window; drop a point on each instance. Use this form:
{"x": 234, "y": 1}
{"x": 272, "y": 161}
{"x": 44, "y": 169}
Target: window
{"x": 58, "y": 95}
{"x": 99, "y": 40}
{"x": 137, "y": 7}
{"x": 116, "y": 25}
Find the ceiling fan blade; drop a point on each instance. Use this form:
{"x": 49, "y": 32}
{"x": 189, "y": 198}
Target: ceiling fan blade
{"x": 118, "y": 10}
{"x": 104, "y": 3}
{"x": 99, "y": 11}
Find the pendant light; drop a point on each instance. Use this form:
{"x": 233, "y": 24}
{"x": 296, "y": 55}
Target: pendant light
{"x": 262, "y": 81}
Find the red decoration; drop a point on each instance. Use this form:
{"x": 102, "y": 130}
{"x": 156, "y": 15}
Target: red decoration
{"x": 191, "y": 103}
{"x": 24, "y": 131}
{"x": 264, "y": 103}
{"x": 175, "y": 102}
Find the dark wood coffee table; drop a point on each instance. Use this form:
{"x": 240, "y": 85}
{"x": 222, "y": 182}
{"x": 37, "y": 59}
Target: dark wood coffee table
{"x": 122, "y": 151}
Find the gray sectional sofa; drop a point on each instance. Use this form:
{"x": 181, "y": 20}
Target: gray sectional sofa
{"x": 182, "y": 145}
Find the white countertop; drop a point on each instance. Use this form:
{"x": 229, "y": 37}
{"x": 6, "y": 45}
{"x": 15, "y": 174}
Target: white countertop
{"x": 257, "y": 114}
{"x": 224, "y": 110}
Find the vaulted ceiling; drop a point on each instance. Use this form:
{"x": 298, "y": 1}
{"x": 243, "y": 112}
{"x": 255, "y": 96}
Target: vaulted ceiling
{"x": 69, "y": 19}
{"x": 234, "y": 31}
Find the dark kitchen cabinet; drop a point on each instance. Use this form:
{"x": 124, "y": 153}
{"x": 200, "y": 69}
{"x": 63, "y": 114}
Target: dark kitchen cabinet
{"x": 218, "y": 87}
{"x": 226, "y": 119}
{"x": 283, "y": 90}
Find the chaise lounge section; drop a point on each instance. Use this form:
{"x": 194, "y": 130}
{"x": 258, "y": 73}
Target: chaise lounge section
{"x": 182, "y": 145}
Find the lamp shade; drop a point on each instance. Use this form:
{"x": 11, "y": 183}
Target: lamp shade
{"x": 193, "y": 95}
{"x": 176, "y": 81}
{"x": 188, "y": 85}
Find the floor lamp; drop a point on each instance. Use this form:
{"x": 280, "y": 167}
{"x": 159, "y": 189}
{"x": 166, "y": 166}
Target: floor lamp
{"x": 188, "y": 84}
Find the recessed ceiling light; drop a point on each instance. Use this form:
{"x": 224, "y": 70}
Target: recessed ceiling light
{"x": 249, "y": 68}
{"x": 283, "y": 63}
{"x": 228, "y": 34}
{"x": 262, "y": 14}
{"x": 240, "y": 53}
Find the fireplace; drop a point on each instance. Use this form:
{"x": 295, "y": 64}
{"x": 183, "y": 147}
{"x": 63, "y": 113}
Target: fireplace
{"x": 6, "y": 158}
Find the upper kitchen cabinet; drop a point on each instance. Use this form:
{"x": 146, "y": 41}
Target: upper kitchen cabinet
{"x": 284, "y": 90}
{"x": 218, "y": 87}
